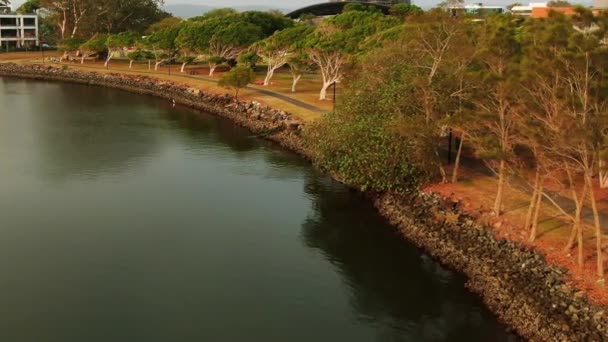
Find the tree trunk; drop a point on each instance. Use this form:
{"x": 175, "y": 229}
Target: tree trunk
{"x": 149, "y": 64}
{"x": 296, "y": 78}
{"x": 212, "y": 67}
{"x": 157, "y": 64}
{"x": 571, "y": 239}
{"x": 323, "y": 94}
{"x": 82, "y": 59}
{"x": 269, "y": 75}
{"x": 533, "y": 200}
{"x": 131, "y": 64}
{"x": 598, "y": 229}
{"x": 531, "y": 208}
{"x": 539, "y": 201}
{"x": 501, "y": 185}
{"x": 457, "y": 161}
{"x": 108, "y": 60}
{"x": 183, "y": 69}
{"x": 577, "y": 229}
{"x": 579, "y": 239}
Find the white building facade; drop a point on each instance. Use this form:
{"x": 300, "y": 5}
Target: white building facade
{"x": 18, "y": 30}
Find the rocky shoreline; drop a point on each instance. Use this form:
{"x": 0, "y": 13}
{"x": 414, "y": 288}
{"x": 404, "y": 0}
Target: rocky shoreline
{"x": 516, "y": 283}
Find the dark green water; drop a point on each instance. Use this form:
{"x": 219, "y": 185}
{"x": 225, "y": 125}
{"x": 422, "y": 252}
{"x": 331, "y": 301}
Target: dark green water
{"x": 124, "y": 219}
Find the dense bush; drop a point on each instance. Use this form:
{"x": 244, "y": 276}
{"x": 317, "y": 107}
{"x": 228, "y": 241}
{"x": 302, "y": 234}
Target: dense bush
{"x": 359, "y": 142}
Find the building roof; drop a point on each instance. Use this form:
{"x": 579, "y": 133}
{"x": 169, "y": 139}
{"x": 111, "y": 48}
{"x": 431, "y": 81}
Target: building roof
{"x": 543, "y": 12}
{"x": 331, "y": 8}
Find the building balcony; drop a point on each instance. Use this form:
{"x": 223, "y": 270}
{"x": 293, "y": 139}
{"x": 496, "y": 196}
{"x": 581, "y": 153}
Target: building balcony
{"x": 15, "y": 27}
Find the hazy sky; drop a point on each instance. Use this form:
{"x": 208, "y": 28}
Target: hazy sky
{"x": 273, "y": 3}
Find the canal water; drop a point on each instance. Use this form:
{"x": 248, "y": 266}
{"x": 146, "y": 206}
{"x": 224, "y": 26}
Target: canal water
{"x": 123, "y": 218}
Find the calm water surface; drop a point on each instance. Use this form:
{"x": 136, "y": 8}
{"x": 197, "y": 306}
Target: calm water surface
{"x": 124, "y": 219}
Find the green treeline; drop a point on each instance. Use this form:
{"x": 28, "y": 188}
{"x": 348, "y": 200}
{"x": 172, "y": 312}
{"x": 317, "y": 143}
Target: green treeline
{"x": 529, "y": 97}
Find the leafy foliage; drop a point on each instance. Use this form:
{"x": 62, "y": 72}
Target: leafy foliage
{"x": 249, "y": 59}
{"x": 404, "y": 10}
{"x": 237, "y": 78}
{"x": 359, "y": 142}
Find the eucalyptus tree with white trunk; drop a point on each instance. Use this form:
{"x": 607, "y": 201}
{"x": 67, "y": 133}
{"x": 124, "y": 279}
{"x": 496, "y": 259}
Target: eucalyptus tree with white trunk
{"x": 120, "y": 42}
{"x": 94, "y": 46}
{"x": 162, "y": 44}
{"x": 299, "y": 64}
{"x": 339, "y": 38}
{"x": 276, "y": 50}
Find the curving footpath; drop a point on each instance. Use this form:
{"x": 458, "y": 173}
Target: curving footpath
{"x": 270, "y": 93}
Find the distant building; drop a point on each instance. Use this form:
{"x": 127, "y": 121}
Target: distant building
{"x": 600, "y": 6}
{"x": 379, "y": 2}
{"x": 334, "y": 7}
{"x": 526, "y": 11}
{"x": 17, "y": 30}
{"x": 543, "y": 12}
{"x": 477, "y": 8}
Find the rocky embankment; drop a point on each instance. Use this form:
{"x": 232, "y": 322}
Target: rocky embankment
{"x": 516, "y": 283}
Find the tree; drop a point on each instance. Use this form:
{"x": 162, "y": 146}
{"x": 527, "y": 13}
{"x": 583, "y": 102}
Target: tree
{"x": 96, "y": 45}
{"x": 83, "y": 18}
{"x": 224, "y": 38}
{"x": 498, "y": 55}
{"x": 114, "y": 16}
{"x": 214, "y": 62}
{"x": 59, "y": 14}
{"x": 576, "y": 117}
{"x": 558, "y": 3}
{"x": 190, "y": 42}
{"x": 359, "y": 141}
{"x": 164, "y": 24}
{"x": 135, "y": 56}
{"x": 299, "y": 64}
{"x": 249, "y": 59}
{"x": 30, "y": 6}
{"x": 404, "y": 10}
{"x": 359, "y": 7}
{"x": 438, "y": 49}
{"x": 215, "y": 13}
{"x": 163, "y": 44}
{"x": 79, "y": 8}
{"x": 339, "y": 38}
{"x": 120, "y": 42}
{"x": 268, "y": 22}
{"x": 237, "y": 78}
{"x": 68, "y": 46}
{"x": 276, "y": 49}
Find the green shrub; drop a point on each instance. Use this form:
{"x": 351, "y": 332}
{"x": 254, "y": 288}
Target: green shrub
{"x": 363, "y": 151}
{"x": 237, "y": 78}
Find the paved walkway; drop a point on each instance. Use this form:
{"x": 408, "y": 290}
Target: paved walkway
{"x": 566, "y": 203}
{"x": 279, "y": 96}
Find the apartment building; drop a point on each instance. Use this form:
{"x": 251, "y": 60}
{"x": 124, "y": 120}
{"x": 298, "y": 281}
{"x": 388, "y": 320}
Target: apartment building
{"x": 17, "y": 30}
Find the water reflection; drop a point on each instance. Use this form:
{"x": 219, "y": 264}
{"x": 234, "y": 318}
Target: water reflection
{"x": 199, "y": 127}
{"x": 393, "y": 286}
{"x": 161, "y": 224}
{"x": 100, "y": 133}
